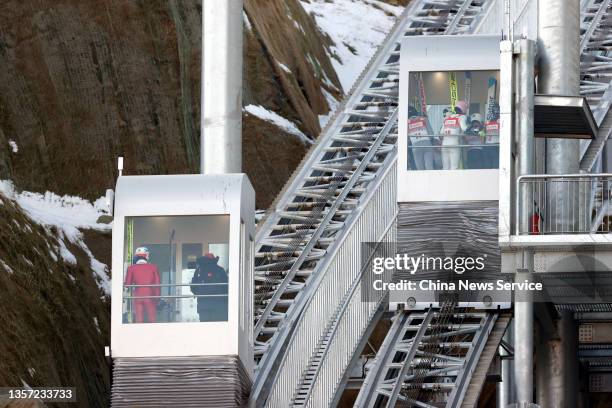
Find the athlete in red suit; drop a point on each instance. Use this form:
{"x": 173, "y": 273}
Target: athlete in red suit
{"x": 144, "y": 273}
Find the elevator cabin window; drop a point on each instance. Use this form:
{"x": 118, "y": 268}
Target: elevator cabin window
{"x": 175, "y": 269}
{"x": 453, "y": 120}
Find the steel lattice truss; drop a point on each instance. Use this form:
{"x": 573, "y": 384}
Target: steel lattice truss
{"x": 596, "y": 72}
{"x": 595, "y": 47}
{"x": 427, "y": 359}
{"x": 395, "y": 379}
{"x": 310, "y": 213}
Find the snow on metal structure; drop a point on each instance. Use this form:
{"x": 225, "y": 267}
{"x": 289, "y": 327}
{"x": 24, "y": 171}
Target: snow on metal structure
{"x": 319, "y": 215}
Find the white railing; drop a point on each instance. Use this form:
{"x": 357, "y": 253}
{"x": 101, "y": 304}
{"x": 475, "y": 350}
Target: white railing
{"x": 563, "y": 204}
{"x": 520, "y": 15}
{"x": 342, "y": 268}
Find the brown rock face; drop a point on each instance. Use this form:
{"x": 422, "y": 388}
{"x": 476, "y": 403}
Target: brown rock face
{"x": 55, "y": 320}
{"x": 290, "y": 37}
{"x": 83, "y": 81}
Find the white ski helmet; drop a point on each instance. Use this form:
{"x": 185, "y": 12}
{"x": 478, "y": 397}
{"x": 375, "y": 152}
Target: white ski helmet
{"x": 462, "y": 105}
{"x": 476, "y": 117}
{"x": 142, "y": 252}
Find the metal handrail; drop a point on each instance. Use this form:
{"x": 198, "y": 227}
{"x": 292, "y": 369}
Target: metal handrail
{"x": 297, "y": 322}
{"x": 158, "y": 285}
{"x": 453, "y": 146}
{"x": 270, "y": 356}
{"x": 321, "y": 285}
{"x": 172, "y": 296}
{"x": 559, "y": 178}
{"x": 551, "y": 176}
{"x": 345, "y": 304}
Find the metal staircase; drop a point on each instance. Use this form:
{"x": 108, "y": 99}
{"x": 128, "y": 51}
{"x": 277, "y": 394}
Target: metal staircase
{"x": 596, "y": 72}
{"x": 309, "y": 318}
{"x": 327, "y": 190}
{"x": 595, "y": 47}
{"x": 431, "y": 359}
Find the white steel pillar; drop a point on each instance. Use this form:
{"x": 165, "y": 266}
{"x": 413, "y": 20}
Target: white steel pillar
{"x": 221, "y": 118}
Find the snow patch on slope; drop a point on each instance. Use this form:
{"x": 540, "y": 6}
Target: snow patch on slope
{"x": 274, "y": 118}
{"x": 357, "y": 27}
{"x": 68, "y": 214}
{"x": 13, "y": 145}
{"x": 333, "y": 105}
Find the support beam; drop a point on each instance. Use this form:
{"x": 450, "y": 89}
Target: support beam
{"x": 559, "y": 74}
{"x": 523, "y": 349}
{"x": 523, "y": 334}
{"x": 558, "y": 366}
{"x": 524, "y": 125}
{"x": 569, "y": 342}
{"x": 505, "y": 388}
{"x": 221, "y": 119}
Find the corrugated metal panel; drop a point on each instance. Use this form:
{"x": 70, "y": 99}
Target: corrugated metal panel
{"x": 180, "y": 382}
{"x": 450, "y": 229}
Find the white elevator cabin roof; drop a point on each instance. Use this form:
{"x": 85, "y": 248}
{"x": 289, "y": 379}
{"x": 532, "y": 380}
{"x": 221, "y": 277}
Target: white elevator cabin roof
{"x": 187, "y": 194}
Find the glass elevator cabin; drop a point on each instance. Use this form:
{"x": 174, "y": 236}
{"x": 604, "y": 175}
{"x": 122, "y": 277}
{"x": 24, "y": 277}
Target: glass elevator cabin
{"x": 448, "y": 166}
{"x": 182, "y": 280}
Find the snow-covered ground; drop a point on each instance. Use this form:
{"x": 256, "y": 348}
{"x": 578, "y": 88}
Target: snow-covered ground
{"x": 68, "y": 214}
{"x": 276, "y": 119}
{"x": 357, "y": 27}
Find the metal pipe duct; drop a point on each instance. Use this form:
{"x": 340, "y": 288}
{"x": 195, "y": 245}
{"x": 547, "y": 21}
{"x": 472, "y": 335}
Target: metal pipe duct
{"x": 558, "y": 366}
{"x": 559, "y": 74}
{"x": 524, "y": 117}
{"x": 523, "y": 332}
{"x": 559, "y": 47}
{"x": 221, "y": 118}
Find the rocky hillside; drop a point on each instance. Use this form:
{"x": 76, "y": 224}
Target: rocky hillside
{"x": 55, "y": 318}
{"x": 84, "y": 81}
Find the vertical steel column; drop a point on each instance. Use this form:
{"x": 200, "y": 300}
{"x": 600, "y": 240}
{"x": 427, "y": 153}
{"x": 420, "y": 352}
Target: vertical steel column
{"x": 524, "y": 126}
{"x": 221, "y": 118}
{"x": 505, "y": 388}
{"x": 559, "y": 74}
{"x": 569, "y": 345}
{"x": 523, "y": 333}
{"x": 506, "y": 164}
{"x": 523, "y": 309}
{"x": 557, "y": 374}
{"x": 549, "y": 375}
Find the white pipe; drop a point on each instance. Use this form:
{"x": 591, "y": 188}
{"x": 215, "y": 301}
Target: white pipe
{"x": 221, "y": 97}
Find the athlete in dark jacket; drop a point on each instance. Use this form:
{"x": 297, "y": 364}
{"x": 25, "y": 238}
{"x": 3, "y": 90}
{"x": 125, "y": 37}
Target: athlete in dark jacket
{"x": 212, "y": 305}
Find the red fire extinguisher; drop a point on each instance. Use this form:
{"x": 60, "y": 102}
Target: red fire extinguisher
{"x": 534, "y": 221}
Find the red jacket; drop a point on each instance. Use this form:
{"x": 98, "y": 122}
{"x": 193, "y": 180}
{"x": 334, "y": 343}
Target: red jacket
{"x": 143, "y": 274}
